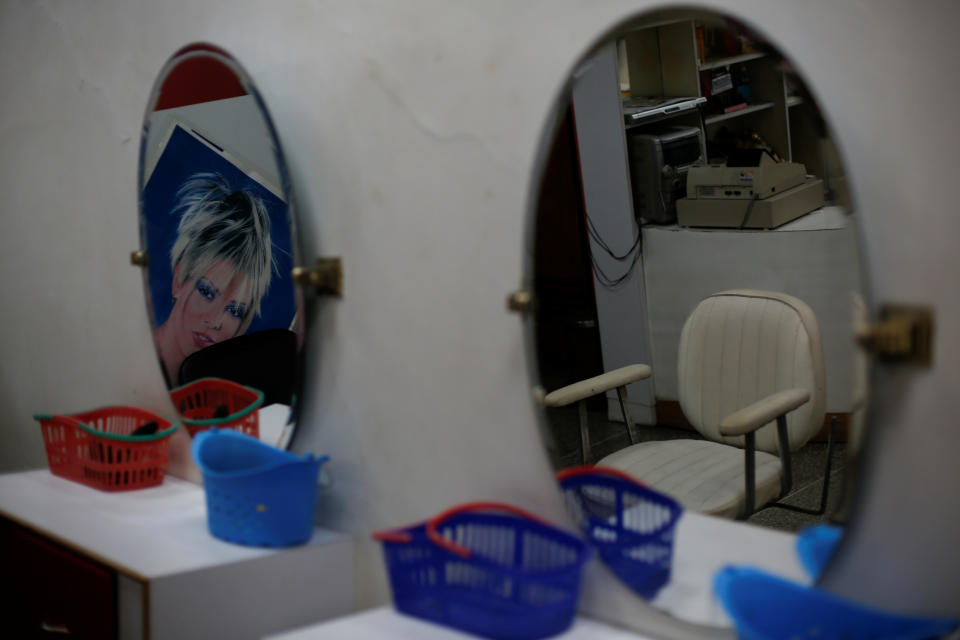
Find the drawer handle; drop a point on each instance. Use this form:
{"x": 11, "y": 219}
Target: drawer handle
{"x": 54, "y": 628}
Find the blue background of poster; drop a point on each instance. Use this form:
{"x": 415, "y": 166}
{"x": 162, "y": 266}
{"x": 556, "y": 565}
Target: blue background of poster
{"x": 182, "y": 157}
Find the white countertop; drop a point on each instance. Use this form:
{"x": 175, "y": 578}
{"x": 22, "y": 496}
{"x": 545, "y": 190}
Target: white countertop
{"x": 385, "y": 622}
{"x": 705, "y": 544}
{"x": 148, "y": 533}
{"x": 161, "y": 531}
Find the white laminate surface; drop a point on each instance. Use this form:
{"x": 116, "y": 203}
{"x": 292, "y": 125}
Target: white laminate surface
{"x": 151, "y": 532}
{"x": 704, "y": 545}
{"x": 385, "y": 622}
{"x": 275, "y": 428}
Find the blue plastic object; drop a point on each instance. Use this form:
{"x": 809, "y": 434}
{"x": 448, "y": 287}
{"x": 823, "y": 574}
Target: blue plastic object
{"x": 815, "y": 546}
{"x": 487, "y": 569}
{"x": 257, "y": 495}
{"x": 631, "y": 526}
{"x": 767, "y": 607}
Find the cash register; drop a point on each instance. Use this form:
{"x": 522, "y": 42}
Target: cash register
{"x": 750, "y": 191}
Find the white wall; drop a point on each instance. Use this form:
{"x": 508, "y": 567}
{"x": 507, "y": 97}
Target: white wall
{"x": 412, "y": 128}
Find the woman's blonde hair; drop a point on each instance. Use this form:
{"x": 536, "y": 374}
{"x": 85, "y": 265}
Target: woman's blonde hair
{"x": 218, "y": 223}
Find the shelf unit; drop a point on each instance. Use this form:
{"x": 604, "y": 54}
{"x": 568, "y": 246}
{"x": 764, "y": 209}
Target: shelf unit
{"x": 720, "y": 117}
{"x": 662, "y": 57}
{"x": 722, "y": 62}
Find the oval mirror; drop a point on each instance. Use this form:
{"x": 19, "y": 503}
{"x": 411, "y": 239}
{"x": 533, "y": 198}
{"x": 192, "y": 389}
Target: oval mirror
{"x": 218, "y": 231}
{"x": 695, "y": 272}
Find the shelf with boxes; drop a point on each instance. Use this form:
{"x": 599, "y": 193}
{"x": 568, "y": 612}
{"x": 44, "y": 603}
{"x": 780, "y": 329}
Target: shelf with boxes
{"x": 680, "y": 73}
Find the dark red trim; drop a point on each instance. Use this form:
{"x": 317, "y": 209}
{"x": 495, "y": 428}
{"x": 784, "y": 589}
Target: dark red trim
{"x": 400, "y": 537}
{"x": 199, "y": 79}
{"x": 587, "y": 469}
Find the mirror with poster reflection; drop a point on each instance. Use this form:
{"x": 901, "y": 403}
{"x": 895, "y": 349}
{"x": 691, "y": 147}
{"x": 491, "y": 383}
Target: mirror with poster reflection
{"x": 219, "y": 229}
{"x": 696, "y": 278}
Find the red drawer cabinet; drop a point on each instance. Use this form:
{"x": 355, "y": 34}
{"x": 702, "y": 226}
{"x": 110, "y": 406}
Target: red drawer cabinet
{"x": 50, "y": 591}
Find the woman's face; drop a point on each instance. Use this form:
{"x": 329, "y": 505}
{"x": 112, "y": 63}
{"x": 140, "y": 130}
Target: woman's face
{"x": 212, "y": 307}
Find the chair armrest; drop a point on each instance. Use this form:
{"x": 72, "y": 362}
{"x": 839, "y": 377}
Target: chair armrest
{"x": 598, "y": 384}
{"x": 762, "y": 411}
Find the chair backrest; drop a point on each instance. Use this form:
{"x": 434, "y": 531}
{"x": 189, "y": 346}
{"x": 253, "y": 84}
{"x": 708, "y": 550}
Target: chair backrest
{"x": 740, "y": 346}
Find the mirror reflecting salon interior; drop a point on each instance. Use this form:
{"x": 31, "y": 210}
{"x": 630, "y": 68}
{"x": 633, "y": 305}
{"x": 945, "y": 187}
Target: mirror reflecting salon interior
{"x": 696, "y": 277}
{"x": 218, "y": 232}
{"x": 695, "y": 216}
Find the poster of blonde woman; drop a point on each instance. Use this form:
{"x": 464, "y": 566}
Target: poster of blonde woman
{"x": 220, "y": 246}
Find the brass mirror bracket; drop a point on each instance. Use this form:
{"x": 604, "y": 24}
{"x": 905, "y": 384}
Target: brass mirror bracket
{"x": 903, "y": 334}
{"x": 520, "y": 301}
{"x": 326, "y": 276}
{"x": 139, "y": 258}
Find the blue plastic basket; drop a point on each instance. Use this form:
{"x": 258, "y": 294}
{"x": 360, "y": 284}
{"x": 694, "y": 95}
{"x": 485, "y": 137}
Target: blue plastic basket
{"x": 486, "y": 568}
{"x": 257, "y": 495}
{"x": 815, "y": 546}
{"x": 631, "y": 526}
{"x": 767, "y": 607}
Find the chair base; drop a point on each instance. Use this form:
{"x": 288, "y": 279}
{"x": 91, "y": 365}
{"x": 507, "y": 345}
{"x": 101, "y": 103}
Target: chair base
{"x": 824, "y": 493}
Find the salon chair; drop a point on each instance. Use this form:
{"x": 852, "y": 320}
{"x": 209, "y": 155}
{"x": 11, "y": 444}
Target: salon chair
{"x": 752, "y": 383}
{"x": 581, "y": 391}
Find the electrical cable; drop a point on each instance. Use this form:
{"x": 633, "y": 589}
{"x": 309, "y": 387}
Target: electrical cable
{"x": 746, "y": 214}
{"x": 608, "y": 282}
{"x": 595, "y": 235}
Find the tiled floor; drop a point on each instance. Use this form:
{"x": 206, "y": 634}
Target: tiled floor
{"x": 608, "y": 436}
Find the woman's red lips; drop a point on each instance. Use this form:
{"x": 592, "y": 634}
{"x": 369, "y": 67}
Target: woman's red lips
{"x": 202, "y": 340}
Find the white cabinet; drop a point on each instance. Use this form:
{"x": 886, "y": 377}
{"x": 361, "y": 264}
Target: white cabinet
{"x": 172, "y": 579}
{"x": 813, "y": 258}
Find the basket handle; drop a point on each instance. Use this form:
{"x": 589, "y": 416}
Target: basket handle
{"x": 459, "y": 549}
{"x": 586, "y": 469}
{"x": 46, "y": 417}
{"x": 392, "y": 535}
{"x": 61, "y": 418}
{"x": 324, "y": 477}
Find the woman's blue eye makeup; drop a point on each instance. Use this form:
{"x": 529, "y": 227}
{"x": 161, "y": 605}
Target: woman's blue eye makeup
{"x": 206, "y": 289}
{"x": 238, "y": 311}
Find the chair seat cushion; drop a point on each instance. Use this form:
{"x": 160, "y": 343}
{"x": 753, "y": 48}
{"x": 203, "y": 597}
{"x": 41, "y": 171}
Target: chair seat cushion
{"x": 701, "y": 475}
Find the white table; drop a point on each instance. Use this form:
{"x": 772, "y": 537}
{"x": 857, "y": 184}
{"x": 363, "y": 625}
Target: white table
{"x": 174, "y": 579}
{"x": 704, "y": 545}
{"x": 385, "y": 622}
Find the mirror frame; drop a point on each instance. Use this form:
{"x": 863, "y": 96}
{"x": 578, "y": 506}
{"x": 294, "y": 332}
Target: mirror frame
{"x": 199, "y": 50}
{"x": 853, "y": 477}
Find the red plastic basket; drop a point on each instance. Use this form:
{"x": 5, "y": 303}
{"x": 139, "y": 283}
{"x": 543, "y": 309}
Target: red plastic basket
{"x": 96, "y": 447}
{"x": 200, "y": 401}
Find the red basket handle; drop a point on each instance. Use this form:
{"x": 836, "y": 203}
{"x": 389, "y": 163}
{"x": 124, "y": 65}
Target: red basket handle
{"x": 392, "y": 535}
{"x": 586, "y": 469}
{"x": 62, "y": 418}
{"x": 459, "y": 549}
